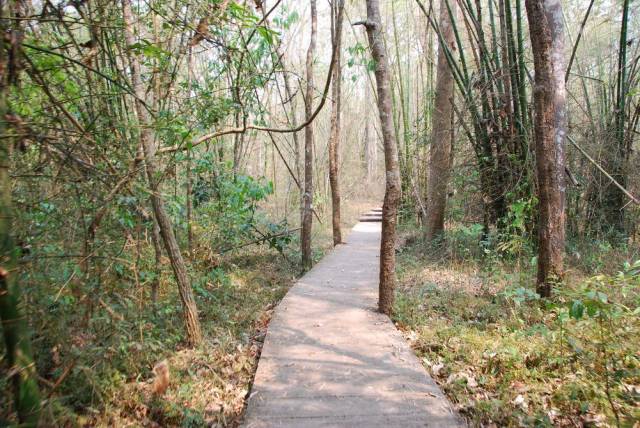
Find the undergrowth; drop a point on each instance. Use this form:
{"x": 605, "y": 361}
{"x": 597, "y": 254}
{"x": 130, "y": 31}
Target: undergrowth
{"x": 506, "y": 357}
{"x": 95, "y": 350}
{"x": 98, "y": 372}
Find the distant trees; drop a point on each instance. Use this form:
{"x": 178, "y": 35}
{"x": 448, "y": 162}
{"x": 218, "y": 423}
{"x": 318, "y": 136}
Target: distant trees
{"x": 373, "y": 24}
{"x": 547, "y": 41}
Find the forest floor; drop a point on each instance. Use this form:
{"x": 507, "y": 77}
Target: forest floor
{"x": 330, "y": 359}
{"x": 505, "y": 357}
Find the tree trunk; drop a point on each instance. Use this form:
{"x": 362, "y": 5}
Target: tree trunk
{"x": 334, "y": 136}
{"x": 189, "y": 194}
{"x": 307, "y": 197}
{"x": 14, "y": 323}
{"x": 440, "y": 153}
{"x": 547, "y": 40}
{"x": 190, "y": 312}
{"x": 157, "y": 251}
{"x": 392, "y": 174}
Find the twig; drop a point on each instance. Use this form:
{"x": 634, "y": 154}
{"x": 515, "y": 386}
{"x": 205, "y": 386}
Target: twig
{"x": 602, "y": 170}
{"x": 575, "y": 46}
{"x": 91, "y": 69}
{"x": 61, "y": 378}
{"x": 258, "y": 241}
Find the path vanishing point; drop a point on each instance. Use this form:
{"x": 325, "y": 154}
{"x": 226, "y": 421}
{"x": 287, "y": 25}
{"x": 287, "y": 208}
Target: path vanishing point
{"x": 331, "y": 360}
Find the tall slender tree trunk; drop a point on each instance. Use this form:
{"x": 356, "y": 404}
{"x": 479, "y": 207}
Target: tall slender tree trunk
{"x": 189, "y": 194}
{"x": 307, "y": 197}
{"x": 334, "y": 136}
{"x": 440, "y": 153}
{"x": 190, "y": 312}
{"x": 547, "y": 40}
{"x": 157, "y": 250}
{"x": 392, "y": 184}
{"x": 14, "y": 324}
{"x": 614, "y": 198}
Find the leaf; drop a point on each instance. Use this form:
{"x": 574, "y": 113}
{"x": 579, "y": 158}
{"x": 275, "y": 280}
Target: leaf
{"x": 577, "y": 310}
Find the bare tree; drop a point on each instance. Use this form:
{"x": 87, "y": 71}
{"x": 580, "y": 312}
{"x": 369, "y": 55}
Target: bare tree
{"x": 547, "y": 40}
{"x": 307, "y": 197}
{"x": 192, "y": 324}
{"x": 392, "y": 194}
{"x": 334, "y": 136}
{"x": 440, "y": 153}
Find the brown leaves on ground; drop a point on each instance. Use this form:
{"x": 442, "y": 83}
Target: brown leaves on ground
{"x": 161, "y": 381}
{"x": 207, "y": 386}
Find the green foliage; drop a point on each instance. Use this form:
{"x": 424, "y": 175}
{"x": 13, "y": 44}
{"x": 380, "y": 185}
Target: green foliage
{"x": 463, "y": 241}
{"x": 515, "y": 238}
{"x": 359, "y": 57}
{"x": 287, "y": 18}
{"x": 231, "y": 208}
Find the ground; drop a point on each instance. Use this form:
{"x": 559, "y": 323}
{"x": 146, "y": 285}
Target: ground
{"x": 505, "y": 357}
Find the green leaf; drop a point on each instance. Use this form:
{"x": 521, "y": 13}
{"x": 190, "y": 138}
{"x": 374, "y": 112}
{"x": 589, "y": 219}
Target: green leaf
{"x": 577, "y": 310}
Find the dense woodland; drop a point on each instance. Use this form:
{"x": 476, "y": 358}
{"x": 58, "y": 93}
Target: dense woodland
{"x": 170, "y": 167}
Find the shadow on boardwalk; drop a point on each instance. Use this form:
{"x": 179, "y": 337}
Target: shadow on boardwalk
{"x": 330, "y": 359}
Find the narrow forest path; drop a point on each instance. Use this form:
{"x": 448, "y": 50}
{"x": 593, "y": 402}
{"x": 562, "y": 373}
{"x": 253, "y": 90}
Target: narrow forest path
{"x": 329, "y": 359}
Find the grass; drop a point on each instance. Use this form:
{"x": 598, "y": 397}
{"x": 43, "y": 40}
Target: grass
{"x": 506, "y": 357}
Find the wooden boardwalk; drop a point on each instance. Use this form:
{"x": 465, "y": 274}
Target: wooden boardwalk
{"x": 330, "y": 360}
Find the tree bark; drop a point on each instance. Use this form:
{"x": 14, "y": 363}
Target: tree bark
{"x": 334, "y": 136}
{"x": 157, "y": 251}
{"x": 392, "y": 173}
{"x": 14, "y": 323}
{"x": 189, "y": 195}
{"x": 547, "y": 40}
{"x": 190, "y": 312}
{"x": 440, "y": 153}
{"x": 307, "y": 197}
